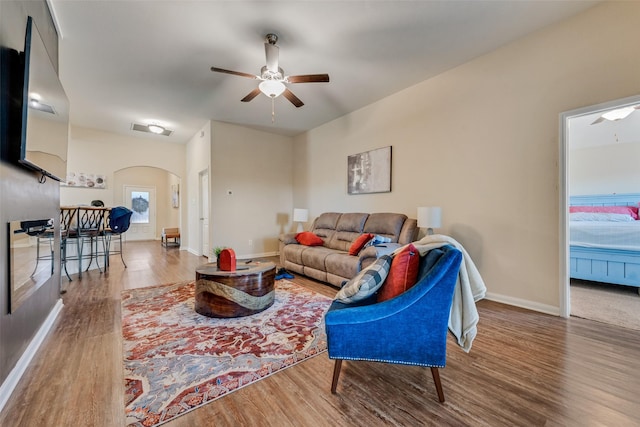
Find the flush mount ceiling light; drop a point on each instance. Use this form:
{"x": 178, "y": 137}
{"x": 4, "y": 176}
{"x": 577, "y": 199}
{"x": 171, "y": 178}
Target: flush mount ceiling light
{"x": 40, "y": 106}
{"x": 154, "y": 128}
{"x": 617, "y": 114}
{"x": 157, "y": 129}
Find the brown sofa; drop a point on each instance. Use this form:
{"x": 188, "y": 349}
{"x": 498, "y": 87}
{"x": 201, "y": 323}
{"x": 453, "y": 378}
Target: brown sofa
{"x": 331, "y": 262}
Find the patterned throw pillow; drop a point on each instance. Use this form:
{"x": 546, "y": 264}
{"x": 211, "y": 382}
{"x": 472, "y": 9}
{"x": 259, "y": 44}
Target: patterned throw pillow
{"x": 402, "y": 274}
{"x": 366, "y": 283}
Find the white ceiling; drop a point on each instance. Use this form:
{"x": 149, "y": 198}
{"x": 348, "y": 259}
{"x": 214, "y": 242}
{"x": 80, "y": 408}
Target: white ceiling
{"x": 142, "y": 61}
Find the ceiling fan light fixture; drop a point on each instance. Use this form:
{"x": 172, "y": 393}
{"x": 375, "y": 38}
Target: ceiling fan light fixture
{"x": 272, "y": 88}
{"x": 618, "y": 114}
{"x": 157, "y": 129}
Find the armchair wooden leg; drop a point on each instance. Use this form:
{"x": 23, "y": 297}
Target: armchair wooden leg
{"x": 336, "y": 374}
{"x": 436, "y": 379}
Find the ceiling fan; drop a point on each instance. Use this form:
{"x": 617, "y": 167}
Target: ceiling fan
{"x": 273, "y": 78}
{"x": 617, "y": 114}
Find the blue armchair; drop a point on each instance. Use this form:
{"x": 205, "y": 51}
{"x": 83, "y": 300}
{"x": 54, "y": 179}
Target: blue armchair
{"x": 409, "y": 329}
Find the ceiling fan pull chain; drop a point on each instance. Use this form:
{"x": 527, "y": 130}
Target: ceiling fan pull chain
{"x": 273, "y": 109}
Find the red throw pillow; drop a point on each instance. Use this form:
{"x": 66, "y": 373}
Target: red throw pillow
{"x": 402, "y": 275}
{"x": 307, "y": 238}
{"x": 359, "y": 243}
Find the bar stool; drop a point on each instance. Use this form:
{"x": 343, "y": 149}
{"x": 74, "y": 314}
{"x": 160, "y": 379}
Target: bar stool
{"x": 88, "y": 227}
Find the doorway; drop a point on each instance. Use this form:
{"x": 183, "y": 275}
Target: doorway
{"x": 142, "y": 201}
{"x": 204, "y": 213}
{"x": 568, "y": 122}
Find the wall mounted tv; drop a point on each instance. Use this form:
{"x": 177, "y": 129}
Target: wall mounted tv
{"x": 44, "y": 132}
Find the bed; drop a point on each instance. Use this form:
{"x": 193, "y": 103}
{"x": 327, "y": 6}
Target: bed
{"x": 603, "y": 245}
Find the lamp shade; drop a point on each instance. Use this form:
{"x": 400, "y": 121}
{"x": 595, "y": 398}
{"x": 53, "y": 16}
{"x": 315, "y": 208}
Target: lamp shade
{"x": 429, "y": 217}
{"x": 300, "y": 215}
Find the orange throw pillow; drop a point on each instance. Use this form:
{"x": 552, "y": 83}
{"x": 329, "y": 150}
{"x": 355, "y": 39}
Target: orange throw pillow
{"x": 402, "y": 275}
{"x": 359, "y": 243}
{"x": 307, "y": 238}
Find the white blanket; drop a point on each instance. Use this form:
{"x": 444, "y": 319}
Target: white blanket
{"x": 469, "y": 288}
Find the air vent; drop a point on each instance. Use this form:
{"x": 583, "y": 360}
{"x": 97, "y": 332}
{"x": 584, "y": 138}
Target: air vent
{"x": 145, "y": 128}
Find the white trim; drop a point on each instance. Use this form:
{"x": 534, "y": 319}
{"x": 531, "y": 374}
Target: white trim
{"x": 260, "y": 255}
{"x": 563, "y": 170}
{"x": 242, "y": 256}
{"x": 54, "y": 17}
{"x": 191, "y": 251}
{"x": 523, "y": 303}
{"x": 16, "y": 373}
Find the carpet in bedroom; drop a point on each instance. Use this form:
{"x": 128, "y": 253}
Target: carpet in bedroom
{"x": 613, "y": 304}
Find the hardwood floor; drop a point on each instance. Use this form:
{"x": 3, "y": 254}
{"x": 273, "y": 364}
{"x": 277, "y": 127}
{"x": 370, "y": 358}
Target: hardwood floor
{"x": 525, "y": 369}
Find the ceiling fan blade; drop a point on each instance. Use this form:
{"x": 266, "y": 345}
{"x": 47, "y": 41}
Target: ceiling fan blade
{"x": 251, "y": 95}
{"x": 292, "y": 98}
{"x": 309, "y": 78}
{"x": 235, "y": 73}
{"x": 272, "y": 53}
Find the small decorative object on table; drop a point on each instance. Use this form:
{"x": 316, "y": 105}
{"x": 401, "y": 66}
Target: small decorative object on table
{"x": 227, "y": 260}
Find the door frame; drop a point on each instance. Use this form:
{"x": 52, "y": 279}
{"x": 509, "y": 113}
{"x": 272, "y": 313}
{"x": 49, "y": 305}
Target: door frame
{"x": 565, "y": 117}
{"x": 201, "y": 209}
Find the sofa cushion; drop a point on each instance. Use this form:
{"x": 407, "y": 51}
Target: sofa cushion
{"x": 307, "y": 238}
{"x": 327, "y": 220}
{"x": 348, "y": 229}
{"x": 314, "y": 257}
{"x": 343, "y": 265}
{"x": 325, "y": 226}
{"x": 402, "y": 274}
{"x": 385, "y": 224}
{"x": 359, "y": 243}
{"x": 409, "y": 232}
{"x": 366, "y": 283}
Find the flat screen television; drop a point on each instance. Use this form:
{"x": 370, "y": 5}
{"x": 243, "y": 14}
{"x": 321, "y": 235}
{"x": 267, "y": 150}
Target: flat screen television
{"x": 44, "y": 132}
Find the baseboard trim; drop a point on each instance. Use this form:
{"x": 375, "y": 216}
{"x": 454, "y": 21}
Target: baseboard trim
{"x": 10, "y": 383}
{"x": 260, "y": 255}
{"x": 523, "y": 303}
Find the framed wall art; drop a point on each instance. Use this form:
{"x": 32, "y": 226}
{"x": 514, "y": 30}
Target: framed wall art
{"x": 369, "y": 172}
{"x": 86, "y": 180}
{"x": 175, "y": 195}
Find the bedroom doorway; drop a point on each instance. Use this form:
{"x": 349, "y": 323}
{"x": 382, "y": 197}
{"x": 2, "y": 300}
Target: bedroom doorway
{"x": 581, "y": 138}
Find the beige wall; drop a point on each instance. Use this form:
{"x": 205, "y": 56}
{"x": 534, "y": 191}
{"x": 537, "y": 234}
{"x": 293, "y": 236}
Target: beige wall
{"x": 98, "y": 152}
{"x": 161, "y": 180}
{"x": 481, "y": 141}
{"x": 605, "y": 169}
{"x": 257, "y": 168}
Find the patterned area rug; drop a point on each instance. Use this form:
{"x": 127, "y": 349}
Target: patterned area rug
{"x": 176, "y": 360}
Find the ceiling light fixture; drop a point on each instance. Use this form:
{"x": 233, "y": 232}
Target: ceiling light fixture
{"x": 618, "y": 114}
{"x": 272, "y": 88}
{"x": 157, "y": 129}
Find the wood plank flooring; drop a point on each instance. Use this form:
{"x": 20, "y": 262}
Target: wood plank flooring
{"x": 525, "y": 369}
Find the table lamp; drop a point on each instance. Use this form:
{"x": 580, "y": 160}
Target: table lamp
{"x": 300, "y": 216}
{"x": 429, "y": 218}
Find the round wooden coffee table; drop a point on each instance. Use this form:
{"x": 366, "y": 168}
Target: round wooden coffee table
{"x": 248, "y": 290}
